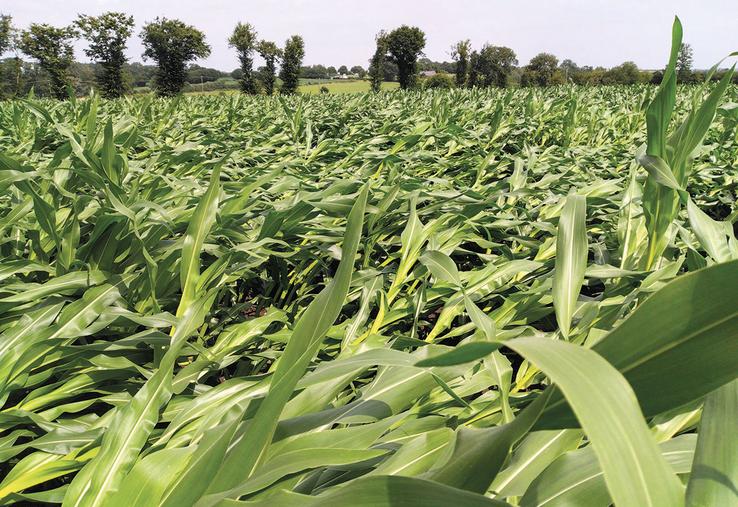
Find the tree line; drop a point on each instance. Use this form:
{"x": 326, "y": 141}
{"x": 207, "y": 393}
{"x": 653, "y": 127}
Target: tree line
{"x": 497, "y": 66}
{"x": 170, "y": 43}
{"x": 173, "y": 46}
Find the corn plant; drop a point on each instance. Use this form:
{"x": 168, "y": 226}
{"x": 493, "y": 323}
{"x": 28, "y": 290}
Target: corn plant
{"x": 410, "y": 298}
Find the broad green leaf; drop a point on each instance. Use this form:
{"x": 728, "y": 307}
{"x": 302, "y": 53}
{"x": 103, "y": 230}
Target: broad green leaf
{"x": 441, "y": 266}
{"x": 714, "y": 476}
{"x": 199, "y": 227}
{"x": 149, "y": 478}
{"x": 576, "y": 479}
{"x": 293, "y": 462}
{"x": 716, "y": 238}
{"x": 461, "y": 354}
{"x": 535, "y": 452}
{"x": 693, "y": 348}
{"x": 477, "y": 455}
{"x": 571, "y": 260}
{"x": 634, "y": 470}
{"x": 396, "y": 491}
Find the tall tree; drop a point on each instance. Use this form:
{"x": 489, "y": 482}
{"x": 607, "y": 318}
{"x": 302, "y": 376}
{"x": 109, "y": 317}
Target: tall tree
{"x": 460, "y": 54}
{"x": 294, "y": 52}
{"x": 343, "y": 69}
{"x": 405, "y": 45}
{"x": 6, "y": 32}
{"x": 684, "y": 64}
{"x": 52, "y": 47}
{"x": 358, "y": 70}
{"x": 172, "y": 45}
{"x": 474, "y": 78}
{"x": 271, "y": 55}
{"x": 244, "y": 40}
{"x": 540, "y": 70}
{"x": 107, "y": 35}
{"x": 493, "y": 65}
{"x": 377, "y": 63}
{"x": 11, "y": 70}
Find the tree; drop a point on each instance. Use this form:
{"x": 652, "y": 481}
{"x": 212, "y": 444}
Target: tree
{"x": 405, "y": 45}
{"x": 493, "y": 65}
{"x": 52, "y": 47}
{"x": 107, "y": 35}
{"x": 172, "y": 44}
{"x": 331, "y": 71}
{"x": 198, "y": 74}
{"x": 12, "y": 77}
{"x": 271, "y": 55}
{"x": 460, "y": 55}
{"x": 358, "y": 70}
{"x": 141, "y": 75}
{"x": 474, "y": 78}
{"x": 294, "y": 52}
{"x": 444, "y": 67}
{"x": 11, "y": 69}
{"x": 625, "y": 73}
{"x": 684, "y": 64}
{"x": 244, "y": 40}
{"x": 439, "y": 81}
{"x": 657, "y": 77}
{"x": 540, "y": 70}
{"x": 570, "y": 70}
{"x": 6, "y": 32}
{"x": 390, "y": 71}
{"x": 377, "y": 63}
{"x": 314, "y": 72}
{"x": 343, "y": 70}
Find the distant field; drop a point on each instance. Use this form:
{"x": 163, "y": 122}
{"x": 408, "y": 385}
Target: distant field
{"x": 334, "y": 86}
{"x": 309, "y": 81}
{"x": 344, "y": 87}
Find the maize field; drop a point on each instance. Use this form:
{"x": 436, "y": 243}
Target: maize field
{"x": 444, "y": 298}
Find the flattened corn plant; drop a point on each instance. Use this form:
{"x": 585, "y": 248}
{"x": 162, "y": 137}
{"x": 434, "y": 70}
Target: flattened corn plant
{"x": 444, "y": 298}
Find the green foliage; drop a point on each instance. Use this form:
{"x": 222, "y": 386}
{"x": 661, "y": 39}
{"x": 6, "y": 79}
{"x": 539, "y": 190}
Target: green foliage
{"x": 442, "y": 81}
{"x": 626, "y": 73}
{"x": 11, "y": 69}
{"x": 378, "y": 61}
{"x": 684, "y": 64}
{"x": 271, "y": 54}
{"x": 492, "y": 66}
{"x": 294, "y": 52}
{"x": 6, "y": 32}
{"x": 540, "y": 70}
{"x": 245, "y": 39}
{"x": 359, "y": 71}
{"x": 172, "y": 45}
{"x": 13, "y": 79}
{"x": 668, "y": 158}
{"x": 52, "y": 47}
{"x": 405, "y": 44}
{"x": 107, "y": 35}
{"x": 460, "y": 54}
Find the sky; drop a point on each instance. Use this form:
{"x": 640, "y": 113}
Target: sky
{"x": 341, "y": 32}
